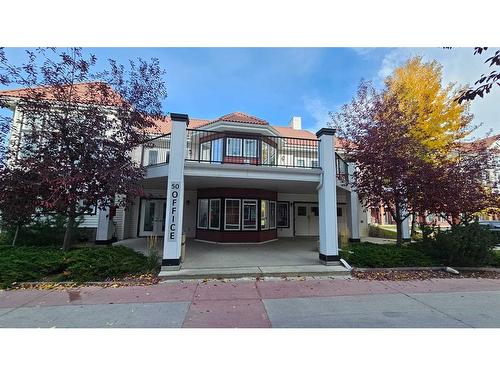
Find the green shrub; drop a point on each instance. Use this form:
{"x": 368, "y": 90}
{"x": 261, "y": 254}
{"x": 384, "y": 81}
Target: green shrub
{"x": 94, "y": 264}
{"x": 464, "y": 245}
{"x": 379, "y": 232}
{"x": 371, "y": 255}
{"x": 34, "y": 263}
{"x": 28, "y": 263}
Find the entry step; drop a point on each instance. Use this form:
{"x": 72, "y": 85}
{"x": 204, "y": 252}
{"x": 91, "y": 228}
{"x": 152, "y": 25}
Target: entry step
{"x": 269, "y": 271}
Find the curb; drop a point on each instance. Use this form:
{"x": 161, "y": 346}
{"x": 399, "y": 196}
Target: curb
{"x": 466, "y": 269}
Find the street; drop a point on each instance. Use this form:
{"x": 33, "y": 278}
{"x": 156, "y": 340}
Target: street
{"x": 346, "y": 303}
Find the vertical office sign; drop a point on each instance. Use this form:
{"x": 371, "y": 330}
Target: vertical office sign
{"x": 173, "y": 225}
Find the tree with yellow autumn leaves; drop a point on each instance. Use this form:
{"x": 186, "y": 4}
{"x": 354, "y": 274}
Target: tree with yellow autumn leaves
{"x": 439, "y": 120}
{"x": 407, "y": 141}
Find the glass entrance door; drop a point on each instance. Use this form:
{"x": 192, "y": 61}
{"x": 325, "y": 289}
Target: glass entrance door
{"x": 152, "y": 221}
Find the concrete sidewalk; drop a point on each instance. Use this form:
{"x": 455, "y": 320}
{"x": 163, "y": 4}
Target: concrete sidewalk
{"x": 321, "y": 302}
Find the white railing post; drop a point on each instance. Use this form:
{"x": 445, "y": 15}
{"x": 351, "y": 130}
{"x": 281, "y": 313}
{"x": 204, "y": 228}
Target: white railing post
{"x": 353, "y": 205}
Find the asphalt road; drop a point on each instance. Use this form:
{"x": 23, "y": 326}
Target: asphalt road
{"x": 336, "y": 303}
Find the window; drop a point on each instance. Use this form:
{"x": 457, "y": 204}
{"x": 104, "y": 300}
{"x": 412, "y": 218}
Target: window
{"x": 268, "y": 154}
{"x": 339, "y": 211}
{"x": 282, "y": 215}
{"x": 152, "y": 157}
{"x": 217, "y": 149}
{"x": 249, "y": 214}
{"x": 299, "y": 162}
{"x": 264, "y": 214}
{"x": 202, "y": 213}
{"x": 314, "y": 210}
{"x": 233, "y": 147}
{"x": 35, "y": 120}
{"x": 214, "y": 217}
{"x": 272, "y": 215}
{"x": 301, "y": 211}
{"x": 314, "y": 163}
{"x": 232, "y": 217}
{"x": 250, "y": 148}
{"x": 205, "y": 151}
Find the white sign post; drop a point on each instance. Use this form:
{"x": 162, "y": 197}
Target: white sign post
{"x": 327, "y": 198}
{"x": 175, "y": 194}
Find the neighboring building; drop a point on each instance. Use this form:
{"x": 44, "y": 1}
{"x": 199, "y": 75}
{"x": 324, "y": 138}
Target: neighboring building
{"x": 492, "y": 175}
{"x": 236, "y": 179}
{"x": 491, "y": 178}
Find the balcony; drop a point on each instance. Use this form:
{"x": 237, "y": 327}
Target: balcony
{"x": 212, "y": 147}
{"x": 252, "y": 149}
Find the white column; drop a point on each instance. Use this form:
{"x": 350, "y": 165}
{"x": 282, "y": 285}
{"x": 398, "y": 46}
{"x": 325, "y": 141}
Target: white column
{"x": 327, "y": 197}
{"x": 175, "y": 193}
{"x": 105, "y": 227}
{"x": 353, "y": 205}
{"x": 406, "y": 228}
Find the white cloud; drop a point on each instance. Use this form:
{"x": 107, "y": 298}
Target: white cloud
{"x": 460, "y": 65}
{"x": 319, "y": 111}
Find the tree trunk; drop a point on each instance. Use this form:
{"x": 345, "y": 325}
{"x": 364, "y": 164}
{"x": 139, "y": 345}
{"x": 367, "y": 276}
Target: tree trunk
{"x": 69, "y": 231}
{"x": 399, "y": 232}
{"x": 15, "y": 236}
{"x": 413, "y": 225}
{"x": 399, "y": 225}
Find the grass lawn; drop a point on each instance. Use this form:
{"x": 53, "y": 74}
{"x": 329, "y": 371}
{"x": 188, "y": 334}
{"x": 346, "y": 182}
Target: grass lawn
{"x": 369, "y": 255}
{"x": 34, "y": 263}
{"x": 382, "y": 231}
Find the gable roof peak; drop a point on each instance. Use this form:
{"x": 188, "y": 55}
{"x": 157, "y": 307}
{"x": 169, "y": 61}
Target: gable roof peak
{"x": 242, "y": 117}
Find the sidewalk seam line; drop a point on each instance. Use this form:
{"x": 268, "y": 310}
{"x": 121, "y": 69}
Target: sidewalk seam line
{"x": 429, "y": 306}
{"x": 189, "y": 306}
{"x": 263, "y": 304}
{"x": 24, "y": 304}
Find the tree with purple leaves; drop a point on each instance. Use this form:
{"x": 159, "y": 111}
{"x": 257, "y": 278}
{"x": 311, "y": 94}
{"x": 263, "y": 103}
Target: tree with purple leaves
{"x": 76, "y": 129}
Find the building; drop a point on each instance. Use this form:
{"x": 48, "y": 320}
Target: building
{"x": 234, "y": 179}
{"x": 381, "y": 216}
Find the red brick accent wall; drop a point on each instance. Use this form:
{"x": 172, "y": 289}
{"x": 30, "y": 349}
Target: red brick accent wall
{"x": 240, "y": 235}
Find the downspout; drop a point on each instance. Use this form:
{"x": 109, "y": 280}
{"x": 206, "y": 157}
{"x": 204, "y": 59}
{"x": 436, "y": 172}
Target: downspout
{"x": 320, "y": 184}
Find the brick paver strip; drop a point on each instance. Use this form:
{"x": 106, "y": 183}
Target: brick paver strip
{"x": 178, "y": 292}
{"x": 444, "y": 285}
{"x": 320, "y": 288}
{"x": 217, "y": 290}
{"x": 71, "y": 296}
{"x": 17, "y": 298}
{"x": 244, "y": 313}
{"x": 165, "y": 292}
{"x": 228, "y": 290}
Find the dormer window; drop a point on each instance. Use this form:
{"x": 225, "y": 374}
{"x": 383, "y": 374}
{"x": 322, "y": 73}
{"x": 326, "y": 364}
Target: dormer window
{"x": 233, "y": 147}
{"x": 250, "y": 148}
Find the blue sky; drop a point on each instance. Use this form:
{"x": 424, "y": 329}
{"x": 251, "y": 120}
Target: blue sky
{"x": 278, "y": 83}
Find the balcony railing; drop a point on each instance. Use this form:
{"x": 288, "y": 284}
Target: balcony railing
{"x": 156, "y": 151}
{"x": 341, "y": 168}
{"x": 213, "y": 147}
{"x": 254, "y": 149}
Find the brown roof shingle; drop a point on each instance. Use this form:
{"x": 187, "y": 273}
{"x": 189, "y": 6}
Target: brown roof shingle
{"x": 87, "y": 92}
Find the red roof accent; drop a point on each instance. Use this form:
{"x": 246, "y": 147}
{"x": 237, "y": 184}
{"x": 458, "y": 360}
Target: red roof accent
{"x": 241, "y": 118}
{"x": 164, "y": 126}
{"x": 485, "y": 142}
{"x": 87, "y": 92}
